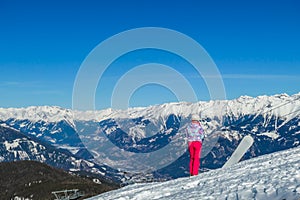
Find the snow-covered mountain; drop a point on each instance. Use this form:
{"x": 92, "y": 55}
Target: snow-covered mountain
{"x": 15, "y": 146}
{"x": 273, "y": 122}
{"x": 274, "y": 176}
{"x": 279, "y": 105}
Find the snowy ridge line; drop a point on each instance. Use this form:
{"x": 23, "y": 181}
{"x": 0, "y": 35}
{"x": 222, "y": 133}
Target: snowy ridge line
{"x": 283, "y": 105}
{"x": 2, "y": 124}
{"x": 273, "y": 176}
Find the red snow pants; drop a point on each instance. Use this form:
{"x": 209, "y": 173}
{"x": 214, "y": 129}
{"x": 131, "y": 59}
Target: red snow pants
{"x": 195, "y": 152}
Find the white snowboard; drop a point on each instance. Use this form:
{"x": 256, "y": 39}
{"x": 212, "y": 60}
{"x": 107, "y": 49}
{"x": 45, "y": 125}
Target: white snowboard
{"x": 243, "y": 147}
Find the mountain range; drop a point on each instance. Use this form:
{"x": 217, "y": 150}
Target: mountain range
{"x": 98, "y": 141}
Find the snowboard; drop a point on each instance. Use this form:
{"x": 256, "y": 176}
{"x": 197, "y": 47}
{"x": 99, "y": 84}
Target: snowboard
{"x": 242, "y": 148}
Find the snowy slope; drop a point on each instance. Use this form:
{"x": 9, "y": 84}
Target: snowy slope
{"x": 274, "y": 176}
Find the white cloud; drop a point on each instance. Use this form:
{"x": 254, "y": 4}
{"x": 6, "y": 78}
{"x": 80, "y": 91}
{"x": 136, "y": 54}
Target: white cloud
{"x": 9, "y": 83}
{"x": 20, "y": 84}
{"x": 46, "y": 92}
{"x": 254, "y": 76}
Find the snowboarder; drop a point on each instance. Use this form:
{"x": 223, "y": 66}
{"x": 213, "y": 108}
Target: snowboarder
{"x": 195, "y": 135}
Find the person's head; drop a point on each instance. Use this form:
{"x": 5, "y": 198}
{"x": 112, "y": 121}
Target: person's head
{"x": 195, "y": 118}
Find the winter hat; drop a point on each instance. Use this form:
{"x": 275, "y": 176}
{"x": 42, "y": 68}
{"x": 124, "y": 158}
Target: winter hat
{"x": 195, "y": 117}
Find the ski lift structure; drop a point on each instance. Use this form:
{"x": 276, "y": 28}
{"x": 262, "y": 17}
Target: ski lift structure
{"x": 68, "y": 194}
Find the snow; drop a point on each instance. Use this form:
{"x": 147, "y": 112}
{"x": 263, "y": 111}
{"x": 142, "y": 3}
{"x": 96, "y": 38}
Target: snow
{"x": 11, "y": 145}
{"x": 244, "y": 105}
{"x": 274, "y": 176}
{"x": 35, "y": 113}
{"x": 20, "y": 198}
{"x": 73, "y": 150}
{"x": 272, "y": 135}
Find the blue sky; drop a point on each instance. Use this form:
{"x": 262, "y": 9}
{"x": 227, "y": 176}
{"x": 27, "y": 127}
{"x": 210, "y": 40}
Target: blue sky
{"x": 255, "y": 45}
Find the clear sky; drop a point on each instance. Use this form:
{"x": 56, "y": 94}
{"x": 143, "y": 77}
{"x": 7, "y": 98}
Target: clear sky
{"x": 255, "y": 45}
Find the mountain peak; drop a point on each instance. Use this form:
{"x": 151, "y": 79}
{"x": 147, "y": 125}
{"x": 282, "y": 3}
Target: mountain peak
{"x": 244, "y": 104}
{"x": 37, "y": 113}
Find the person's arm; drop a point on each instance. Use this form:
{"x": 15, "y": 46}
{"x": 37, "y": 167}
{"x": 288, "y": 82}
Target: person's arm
{"x": 187, "y": 136}
{"x": 201, "y": 131}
